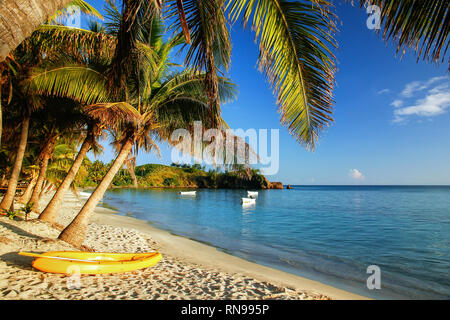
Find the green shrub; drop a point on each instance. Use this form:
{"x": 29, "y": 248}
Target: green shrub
{"x": 170, "y": 182}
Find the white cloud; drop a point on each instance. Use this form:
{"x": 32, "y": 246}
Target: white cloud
{"x": 356, "y": 174}
{"x": 397, "y": 103}
{"x": 384, "y": 91}
{"x": 432, "y": 99}
{"x": 412, "y": 88}
{"x": 416, "y": 86}
{"x": 436, "y": 102}
{"x": 436, "y": 79}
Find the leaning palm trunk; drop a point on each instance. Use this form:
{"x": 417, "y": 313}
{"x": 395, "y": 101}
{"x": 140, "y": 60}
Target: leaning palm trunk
{"x": 42, "y": 172}
{"x": 12, "y": 185}
{"x": 50, "y": 213}
{"x": 39, "y": 183}
{"x": 28, "y": 191}
{"x": 133, "y": 177}
{"x": 131, "y": 167}
{"x": 44, "y": 188}
{"x": 75, "y": 232}
{"x": 19, "y": 18}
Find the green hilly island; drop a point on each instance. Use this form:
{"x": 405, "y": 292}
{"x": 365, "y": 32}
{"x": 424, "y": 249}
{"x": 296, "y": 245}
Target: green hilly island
{"x": 176, "y": 176}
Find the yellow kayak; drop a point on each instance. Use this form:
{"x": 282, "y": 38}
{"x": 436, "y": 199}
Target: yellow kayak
{"x": 69, "y": 262}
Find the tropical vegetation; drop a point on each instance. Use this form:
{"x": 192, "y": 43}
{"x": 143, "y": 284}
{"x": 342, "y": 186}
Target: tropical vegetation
{"x": 175, "y": 176}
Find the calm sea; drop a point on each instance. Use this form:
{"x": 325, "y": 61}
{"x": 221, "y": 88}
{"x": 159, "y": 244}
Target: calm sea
{"x": 325, "y": 233}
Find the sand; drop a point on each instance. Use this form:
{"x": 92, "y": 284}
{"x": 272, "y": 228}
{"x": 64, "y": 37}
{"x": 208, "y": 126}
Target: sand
{"x": 188, "y": 270}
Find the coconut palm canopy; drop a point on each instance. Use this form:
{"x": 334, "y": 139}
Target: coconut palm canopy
{"x": 295, "y": 52}
{"x": 140, "y": 106}
{"x": 154, "y": 93}
{"x": 296, "y": 44}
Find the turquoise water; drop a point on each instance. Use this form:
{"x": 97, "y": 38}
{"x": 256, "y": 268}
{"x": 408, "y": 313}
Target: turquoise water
{"x": 325, "y": 233}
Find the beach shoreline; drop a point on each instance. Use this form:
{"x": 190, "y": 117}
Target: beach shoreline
{"x": 189, "y": 270}
{"x": 212, "y": 258}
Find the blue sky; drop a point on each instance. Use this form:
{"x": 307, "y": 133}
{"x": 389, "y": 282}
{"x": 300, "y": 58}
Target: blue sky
{"x": 391, "y": 115}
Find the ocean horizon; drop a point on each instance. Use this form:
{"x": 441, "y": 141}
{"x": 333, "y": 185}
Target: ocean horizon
{"x": 327, "y": 233}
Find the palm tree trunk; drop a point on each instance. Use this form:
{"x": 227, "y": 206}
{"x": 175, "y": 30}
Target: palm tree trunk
{"x": 75, "y": 232}
{"x": 3, "y": 180}
{"x": 48, "y": 188}
{"x": 14, "y": 179}
{"x": 40, "y": 181}
{"x": 44, "y": 186}
{"x": 50, "y": 213}
{"x": 42, "y": 172}
{"x": 19, "y": 18}
{"x": 133, "y": 177}
{"x": 1, "y": 114}
{"x": 27, "y": 194}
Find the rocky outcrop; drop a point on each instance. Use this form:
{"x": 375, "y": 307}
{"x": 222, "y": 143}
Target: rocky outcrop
{"x": 276, "y": 185}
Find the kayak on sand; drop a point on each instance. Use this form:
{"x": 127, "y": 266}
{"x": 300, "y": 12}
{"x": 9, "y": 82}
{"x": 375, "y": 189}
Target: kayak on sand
{"x": 92, "y": 262}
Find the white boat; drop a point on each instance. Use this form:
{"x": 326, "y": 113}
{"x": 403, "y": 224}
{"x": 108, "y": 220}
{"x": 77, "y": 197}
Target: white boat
{"x": 252, "y": 194}
{"x": 248, "y": 201}
{"x": 188, "y": 193}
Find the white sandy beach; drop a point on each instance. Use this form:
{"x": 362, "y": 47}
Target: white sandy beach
{"x": 188, "y": 270}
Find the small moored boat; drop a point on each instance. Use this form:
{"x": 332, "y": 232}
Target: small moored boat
{"x": 252, "y": 194}
{"x": 188, "y": 193}
{"x": 248, "y": 201}
{"x": 92, "y": 262}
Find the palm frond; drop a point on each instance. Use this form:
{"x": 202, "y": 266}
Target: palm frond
{"x": 183, "y": 22}
{"x": 135, "y": 13}
{"x": 114, "y": 114}
{"x": 190, "y": 85}
{"x": 295, "y": 42}
{"x": 210, "y": 46}
{"x": 421, "y": 25}
{"x": 54, "y": 39}
{"x": 79, "y": 83}
{"x": 113, "y": 18}
{"x": 66, "y": 11}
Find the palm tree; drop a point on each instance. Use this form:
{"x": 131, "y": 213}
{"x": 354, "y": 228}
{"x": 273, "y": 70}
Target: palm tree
{"x": 19, "y": 18}
{"x": 153, "y": 99}
{"x": 6, "y": 71}
{"x": 50, "y": 213}
{"x": 8, "y": 199}
{"x": 29, "y": 54}
{"x": 174, "y": 104}
{"x": 63, "y": 159}
{"x": 8, "y": 65}
{"x": 56, "y": 119}
{"x": 24, "y": 104}
{"x": 45, "y": 155}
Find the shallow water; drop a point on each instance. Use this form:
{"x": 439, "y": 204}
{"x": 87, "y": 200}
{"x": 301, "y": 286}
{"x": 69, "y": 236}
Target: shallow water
{"x": 326, "y": 233}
